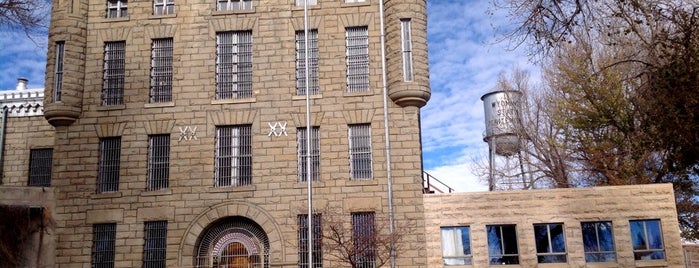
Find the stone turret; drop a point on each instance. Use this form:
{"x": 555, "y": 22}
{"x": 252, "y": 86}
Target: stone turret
{"x": 66, "y": 62}
{"x": 406, "y": 35}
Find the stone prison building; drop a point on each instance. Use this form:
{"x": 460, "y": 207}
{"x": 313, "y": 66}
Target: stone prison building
{"x": 175, "y": 133}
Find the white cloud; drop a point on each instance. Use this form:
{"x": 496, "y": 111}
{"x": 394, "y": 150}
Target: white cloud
{"x": 22, "y": 57}
{"x": 465, "y": 60}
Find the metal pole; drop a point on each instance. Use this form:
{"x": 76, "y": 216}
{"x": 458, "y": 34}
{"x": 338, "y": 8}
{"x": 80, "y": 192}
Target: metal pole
{"x": 2, "y": 143}
{"x": 389, "y": 178}
{"x": 309, "y": 178}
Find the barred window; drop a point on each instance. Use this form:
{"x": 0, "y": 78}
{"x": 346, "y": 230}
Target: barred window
{"x": 58, "y": 71}
{"x": 161, "y": 70}
{"x": 310, "y": 2}
{"x": 108, "y": 176}
{"x": 357, "y": 58}
{"x": 407, "y": 49}
{"x": 550, "y": 243}
{"x": 233, "y": 156}
{"x": 312, "y": 62}
{"x": 158, "y": 162}
{"x": 502, "y": 244}
{"x": 234, "y": 65}
{"x": 163, "y": 7}
{"x": 40, "y": 167}
{"x": 360, "y": 151}
{"x": 364, "y": 239}
{"x": 303, "y": 241}
{"x": 647, "y": 240}
{"x": 155, "y": 244}
{"x": 116, "y": 9}
{"x": 113, "y": 80}
{"x": 234, "y": 5}
{"x": 103, "y": 242}
{"x": 315, "y": 153}
{"x": 598, "y": 241}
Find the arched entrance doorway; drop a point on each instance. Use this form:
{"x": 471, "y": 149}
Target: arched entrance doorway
{"x": 232, "y": 242}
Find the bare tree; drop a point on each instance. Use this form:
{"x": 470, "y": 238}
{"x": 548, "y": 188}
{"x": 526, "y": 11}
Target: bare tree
{"x": 29, "y": 16}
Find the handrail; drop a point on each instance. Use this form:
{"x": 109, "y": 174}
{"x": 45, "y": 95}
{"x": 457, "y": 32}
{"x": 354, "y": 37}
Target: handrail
{"x": 430, "y": 188}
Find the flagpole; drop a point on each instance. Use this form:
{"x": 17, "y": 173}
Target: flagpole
{"x": 309, "y": 178}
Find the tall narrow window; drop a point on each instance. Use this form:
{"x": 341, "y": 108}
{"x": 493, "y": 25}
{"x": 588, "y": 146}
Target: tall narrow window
{"x": 407, "y": 49}
{"x": 234, "y": 5}
{"x": 598, "y": 241}
{"x": 58, "y": 71}
{"x": 103, "y": 243}
{"x": 163, "y": 7}
{"x": 303, "y": 241}
{"x": 234, "y": 65}
{"x": 113, "y": 80}
{"x": 357, "y": 58}
{"x": 550, "y": 243}
{"x": 312, "y": 62}
{"x": 315, "y": 153}
{"x": 502, "y": 244}
{"x": 310, "y": 2}
{"x": 116, "y": 9}
{"x": 456, "y": 245}
{"x": 40, "y": 162}
{"x": 647, "y": 240}
{"x": 233, "y": 156}
{"x": 158, "y": 162}
{"x": 161, "y": 70}
{"x": 155, "y": 244}
{"x": 364, "y": 239}
{"x": 360, "y": 151}
{"x": 108, "y": 176}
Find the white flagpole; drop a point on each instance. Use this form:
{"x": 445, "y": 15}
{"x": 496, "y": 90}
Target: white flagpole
{"x": 309, "y": 177}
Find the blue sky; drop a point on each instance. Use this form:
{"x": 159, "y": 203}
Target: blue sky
{"x": 465, "y": 60}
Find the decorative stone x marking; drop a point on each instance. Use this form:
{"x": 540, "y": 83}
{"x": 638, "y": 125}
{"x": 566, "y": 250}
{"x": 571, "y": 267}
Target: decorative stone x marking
{"x": 273, "y": 129}
{"x": 188, "y": 133}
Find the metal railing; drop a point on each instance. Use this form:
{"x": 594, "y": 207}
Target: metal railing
{"x": 432, "y": 185}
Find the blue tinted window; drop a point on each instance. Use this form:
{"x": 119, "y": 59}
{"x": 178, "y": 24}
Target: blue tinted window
{"x": 647, "y": 240}
{"x": 456, "y": 245}
{"x": 502, "y": 244}
{"x": 550, "y": 243}
{"x": 598, "y": 241}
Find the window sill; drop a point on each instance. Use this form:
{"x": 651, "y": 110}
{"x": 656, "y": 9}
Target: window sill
{"x": 362, "y": 182}
{"x": 357, "y": 94}
{"x": 303, "y": 97}
{"x": 356, "y": 4}
{"x": 106, "y": 195}
{"x": 232, "y": 12}
{"x": 602, "y": 264}
{"x": 303, "y": 184}
{"x": 233, "y": 101}
{"x": 300, "y": 8}
{"x": 225, "y": 189}
{"x": 118, "y": 19}
{"x": 653, "y": 263}
{"x": 162, "y": 16}
{"x": 111, "y": 107}
{"x": 159, "y": 104}
{"x": 166, "y": 191}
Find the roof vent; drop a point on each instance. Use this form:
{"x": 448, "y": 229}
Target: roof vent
{"x": 22, "y": 83}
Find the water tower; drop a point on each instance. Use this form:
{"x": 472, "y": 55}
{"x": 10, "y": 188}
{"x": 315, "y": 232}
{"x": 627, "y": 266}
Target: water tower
{"x": 503, "y": 128}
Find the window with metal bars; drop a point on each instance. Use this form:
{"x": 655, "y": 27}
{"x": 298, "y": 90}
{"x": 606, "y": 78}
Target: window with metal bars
{"x": 310, "y": 2}
{"x": 58, "y": 71}
{"x": 502, "y": 244}
{"x": 550, "y": 243}
{"x": 647, "y": 240}
{"x": 317, "y": 241}
{"x": 158, "y": 162}
{"x": 360, "y": 151}
{"x": 113, "y": 79}
{"x": 406, "y": 49}
{"x": 357, "y": 58}
{"x": 161, "y": 70}
{"x": 234, "y": 65}
{"x": 315, "y": 153}
{"x": 103, "y": 242}
{"x": 108, "y": 176}
{"x": 312, "y": 62}
{"x": 233, "y": 160}
{"x": 155, "y": 244}
{"x": 598, "y": 241}
{"x": 234, "y": 5}
{"x": 117, "y": 9}
{"x": 40, "y": 167}
{"x": 163, "y": 7}
{"x": 364, "y": 239}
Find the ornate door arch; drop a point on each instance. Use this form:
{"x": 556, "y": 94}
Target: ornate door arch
{"x": 232, "y": 242}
